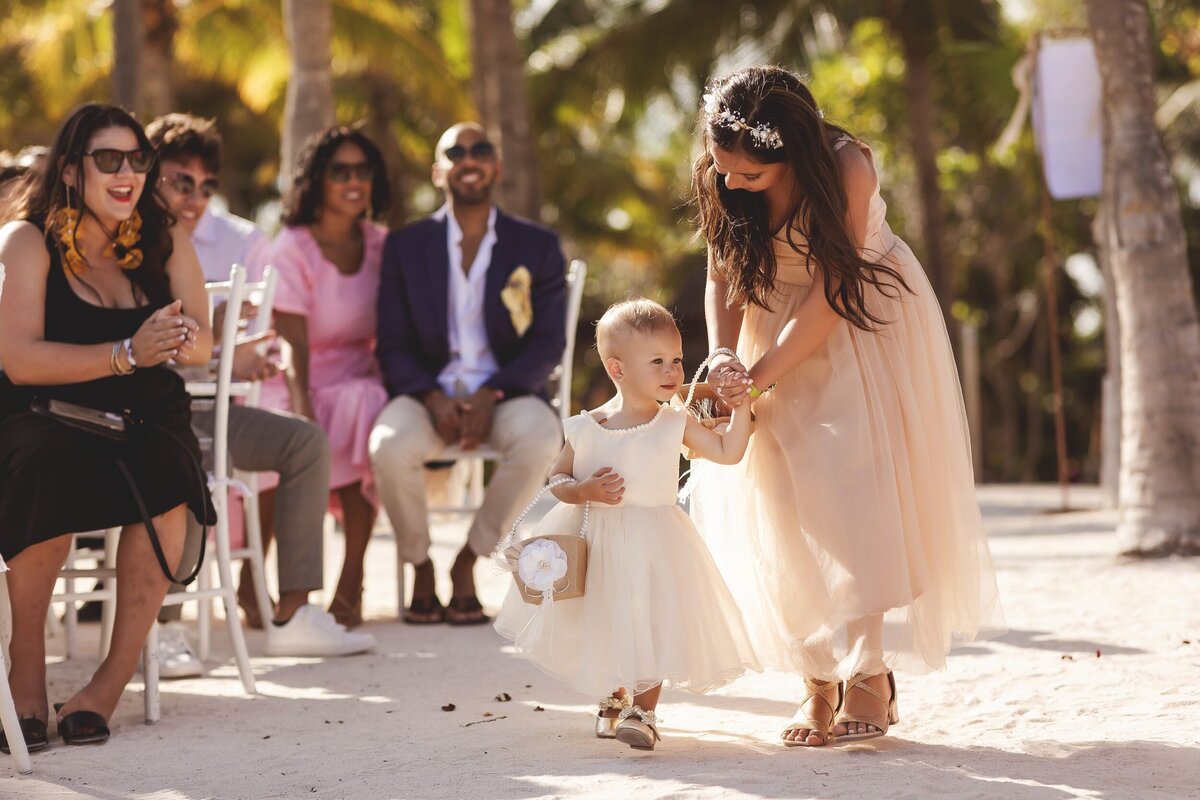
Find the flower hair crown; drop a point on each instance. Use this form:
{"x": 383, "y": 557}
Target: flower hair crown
{"x": 763, "y": 135}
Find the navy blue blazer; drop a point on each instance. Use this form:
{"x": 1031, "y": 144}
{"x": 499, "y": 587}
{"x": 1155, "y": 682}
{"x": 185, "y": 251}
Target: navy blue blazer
{"x": 413, "y": 344}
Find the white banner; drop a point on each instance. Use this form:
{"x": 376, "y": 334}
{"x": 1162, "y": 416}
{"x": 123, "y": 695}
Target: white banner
{"x": 1066, "y": 117}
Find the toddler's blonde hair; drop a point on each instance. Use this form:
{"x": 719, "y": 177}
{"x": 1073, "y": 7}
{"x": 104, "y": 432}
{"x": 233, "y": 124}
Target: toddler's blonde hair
{"x": 635, "y": 316}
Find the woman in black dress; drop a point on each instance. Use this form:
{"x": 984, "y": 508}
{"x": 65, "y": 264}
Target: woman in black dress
{"x": 101, "y": 290}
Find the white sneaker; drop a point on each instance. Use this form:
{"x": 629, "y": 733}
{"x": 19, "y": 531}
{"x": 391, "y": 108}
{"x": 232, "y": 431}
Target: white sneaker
{"x": 176, "y": 659}
{"x": 314, "y": 632}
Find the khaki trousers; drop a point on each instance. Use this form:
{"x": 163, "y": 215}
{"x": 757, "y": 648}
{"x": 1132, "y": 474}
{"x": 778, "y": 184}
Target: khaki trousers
{"x": 527, "y": 434}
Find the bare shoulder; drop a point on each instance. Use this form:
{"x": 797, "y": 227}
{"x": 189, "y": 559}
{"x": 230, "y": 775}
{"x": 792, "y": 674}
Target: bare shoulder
{"x": 180, "y": 237}
{"x": 858, "y": 172}
{"x": 182, "y": 250}
{"x": 23, "y": 246}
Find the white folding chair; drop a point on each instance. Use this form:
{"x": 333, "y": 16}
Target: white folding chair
{"x": 8, "y": 710}
{"x": 221, "y": 391}
{"x": 262, "y": 294}
{"x": 103, "y": 591}
{"x": 472, "y": 493}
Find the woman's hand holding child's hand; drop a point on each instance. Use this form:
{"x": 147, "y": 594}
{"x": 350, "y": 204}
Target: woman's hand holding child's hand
{"x": 604, "y": 486}
{"x": 731, "y": 380}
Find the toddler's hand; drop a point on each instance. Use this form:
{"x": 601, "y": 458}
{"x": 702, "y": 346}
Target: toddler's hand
{"x": 604, "y": 486}
{"x": 732, "y": 383}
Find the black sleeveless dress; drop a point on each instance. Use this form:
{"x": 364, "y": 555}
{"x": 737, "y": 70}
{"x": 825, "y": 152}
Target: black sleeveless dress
{"x": 55, "y": 479}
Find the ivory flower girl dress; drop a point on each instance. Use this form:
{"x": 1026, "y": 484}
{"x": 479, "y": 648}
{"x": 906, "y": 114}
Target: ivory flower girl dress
{"x": 655, "y": 608}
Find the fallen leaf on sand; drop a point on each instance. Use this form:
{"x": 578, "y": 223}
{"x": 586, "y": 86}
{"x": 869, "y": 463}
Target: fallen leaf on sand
{"x": 448, "y": 707}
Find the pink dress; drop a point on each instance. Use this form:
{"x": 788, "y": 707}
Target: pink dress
{"x": 343, "y": 376}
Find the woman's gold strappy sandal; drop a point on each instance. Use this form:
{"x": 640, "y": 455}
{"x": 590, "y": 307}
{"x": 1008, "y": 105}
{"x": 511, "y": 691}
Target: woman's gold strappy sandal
{"x": 813, "y": 726}
{"x": 638, "y": 728}
{"x": 881, "y": 721}
{"x": 606, "y": 727}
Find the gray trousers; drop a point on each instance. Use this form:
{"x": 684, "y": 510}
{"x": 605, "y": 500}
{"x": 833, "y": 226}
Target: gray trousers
{"x": 296, "y": 448}
{"x": 525, "y": 431}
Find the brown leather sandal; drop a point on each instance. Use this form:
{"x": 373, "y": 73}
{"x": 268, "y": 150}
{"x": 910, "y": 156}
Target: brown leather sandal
{"x": 425, "y": 611}
{"x": 466, "y": 611}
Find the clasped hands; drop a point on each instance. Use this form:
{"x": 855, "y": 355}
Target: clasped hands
{"x": 465, "y": 421}
{"x": 166, "y": 334}
{"x": 731, "y": 380}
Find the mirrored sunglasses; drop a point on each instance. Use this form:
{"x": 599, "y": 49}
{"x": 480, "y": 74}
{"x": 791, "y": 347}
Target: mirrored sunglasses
{"x": 108, "y": 160}
{"x": 478, "y": 151}
{"x": 341, "y": 172}
{"x": 185, "y": 185}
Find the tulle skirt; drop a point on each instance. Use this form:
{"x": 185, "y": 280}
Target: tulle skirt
{"x": 655, "y": 608}
{"x": 856, "y": 497}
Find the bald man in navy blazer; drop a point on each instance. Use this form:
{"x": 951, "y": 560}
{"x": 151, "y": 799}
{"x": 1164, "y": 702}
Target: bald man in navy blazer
{"x": 472, "y": 316}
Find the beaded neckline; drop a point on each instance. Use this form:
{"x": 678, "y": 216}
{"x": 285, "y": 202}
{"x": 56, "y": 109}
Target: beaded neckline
{"x": 634, "y": 429}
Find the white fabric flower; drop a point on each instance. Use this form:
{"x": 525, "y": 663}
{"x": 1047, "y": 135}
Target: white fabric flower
{"x": 711, "y": 106}
{"x": 541, "y": 564}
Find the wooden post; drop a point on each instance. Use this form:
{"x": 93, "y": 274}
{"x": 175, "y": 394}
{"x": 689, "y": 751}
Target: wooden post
{"x": 971, "y": 391}
{"x": 1049, "y": 270}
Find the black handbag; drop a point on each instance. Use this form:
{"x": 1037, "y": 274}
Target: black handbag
{"x": 116, "y": 428}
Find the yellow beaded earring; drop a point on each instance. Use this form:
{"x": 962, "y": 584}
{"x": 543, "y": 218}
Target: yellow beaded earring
{"x": 64, "y": 223}
{"x": 129, "y": 233}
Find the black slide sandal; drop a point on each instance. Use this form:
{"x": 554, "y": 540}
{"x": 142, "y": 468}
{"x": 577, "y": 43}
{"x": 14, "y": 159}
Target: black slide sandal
{"x": 34, "y": 731}
{"x": 82, "y": 727}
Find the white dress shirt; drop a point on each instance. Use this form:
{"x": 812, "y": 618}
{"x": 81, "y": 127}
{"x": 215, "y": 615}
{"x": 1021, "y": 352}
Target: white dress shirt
{"x": 471, "y": 359}
{"x": 222, "y": 239}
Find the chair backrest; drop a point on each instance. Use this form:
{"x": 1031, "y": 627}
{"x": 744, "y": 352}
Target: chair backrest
{"x": 231, "y": 292}
{"x": 576, "y": 275}
{"x": 262, "y": 293}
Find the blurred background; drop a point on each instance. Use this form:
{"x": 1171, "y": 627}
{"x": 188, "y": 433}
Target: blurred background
{"x": 599, "y": 99}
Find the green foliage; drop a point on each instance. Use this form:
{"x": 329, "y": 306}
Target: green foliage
{"x": 614, "y": 88}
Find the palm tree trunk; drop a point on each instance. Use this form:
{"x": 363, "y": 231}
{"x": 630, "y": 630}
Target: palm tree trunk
{"x": 503, "y": 102}
{"x": 127, "y": 53}
{"x": 308, "y": 108}
{"x": 918, "y": 84}
{"x": 159, "y": 24}
{"x": 386, "y": 104}
{"x": 1159, "y": 329}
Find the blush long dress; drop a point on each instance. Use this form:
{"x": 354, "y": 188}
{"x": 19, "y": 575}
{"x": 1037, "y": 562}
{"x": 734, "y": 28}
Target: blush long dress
{"x": 856, "y": 496}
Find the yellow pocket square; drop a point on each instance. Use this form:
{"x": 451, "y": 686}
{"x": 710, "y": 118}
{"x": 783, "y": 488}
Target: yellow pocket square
{"x": 516, "y": 298}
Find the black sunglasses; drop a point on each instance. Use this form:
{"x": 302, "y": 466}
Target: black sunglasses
{"x": 185, "y": 185}
{"x": 478, "y": 151}
{"x": 340, "y": 172}
{"x": 108, "y": 160}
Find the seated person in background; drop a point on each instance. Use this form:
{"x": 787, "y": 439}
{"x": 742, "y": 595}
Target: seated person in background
{"x": 472, "y": 318}
{"x": 189, "y": 152}
{"x": 328, "y": 262}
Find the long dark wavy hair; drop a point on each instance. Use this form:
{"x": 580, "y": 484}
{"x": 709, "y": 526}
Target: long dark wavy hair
{"x": 736, "y": 224}
{"x": 302, "y": 202}
{"x": 48, "y": 193}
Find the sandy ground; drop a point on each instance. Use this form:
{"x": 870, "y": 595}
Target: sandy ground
{"x": 1095, "y": 692}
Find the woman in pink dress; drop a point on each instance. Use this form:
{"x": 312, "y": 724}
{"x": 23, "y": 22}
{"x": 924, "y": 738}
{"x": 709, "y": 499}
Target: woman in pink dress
{"x": 328, "y": 259}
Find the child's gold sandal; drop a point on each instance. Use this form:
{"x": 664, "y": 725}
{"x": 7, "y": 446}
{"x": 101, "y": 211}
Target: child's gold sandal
{"x": 606, "y": 726}
{"x": 638, "y": 728}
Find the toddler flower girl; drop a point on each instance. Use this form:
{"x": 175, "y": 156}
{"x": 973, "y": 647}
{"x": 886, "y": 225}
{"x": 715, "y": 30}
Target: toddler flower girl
{"x": 655, "y": 610}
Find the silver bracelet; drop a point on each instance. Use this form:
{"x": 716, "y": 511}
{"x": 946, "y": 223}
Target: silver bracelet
{"x": 724, "y": 351}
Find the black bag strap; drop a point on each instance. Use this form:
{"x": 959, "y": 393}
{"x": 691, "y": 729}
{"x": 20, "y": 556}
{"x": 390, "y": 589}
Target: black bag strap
{"x": 149, "y": 522}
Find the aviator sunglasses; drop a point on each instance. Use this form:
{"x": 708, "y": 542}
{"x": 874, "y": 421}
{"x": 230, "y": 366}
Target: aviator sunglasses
{"x": 108, "y": 160}
{"x": 185, "y": 185}
{"x": 340, "y": 171}
{"x": 478, "y": 151}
